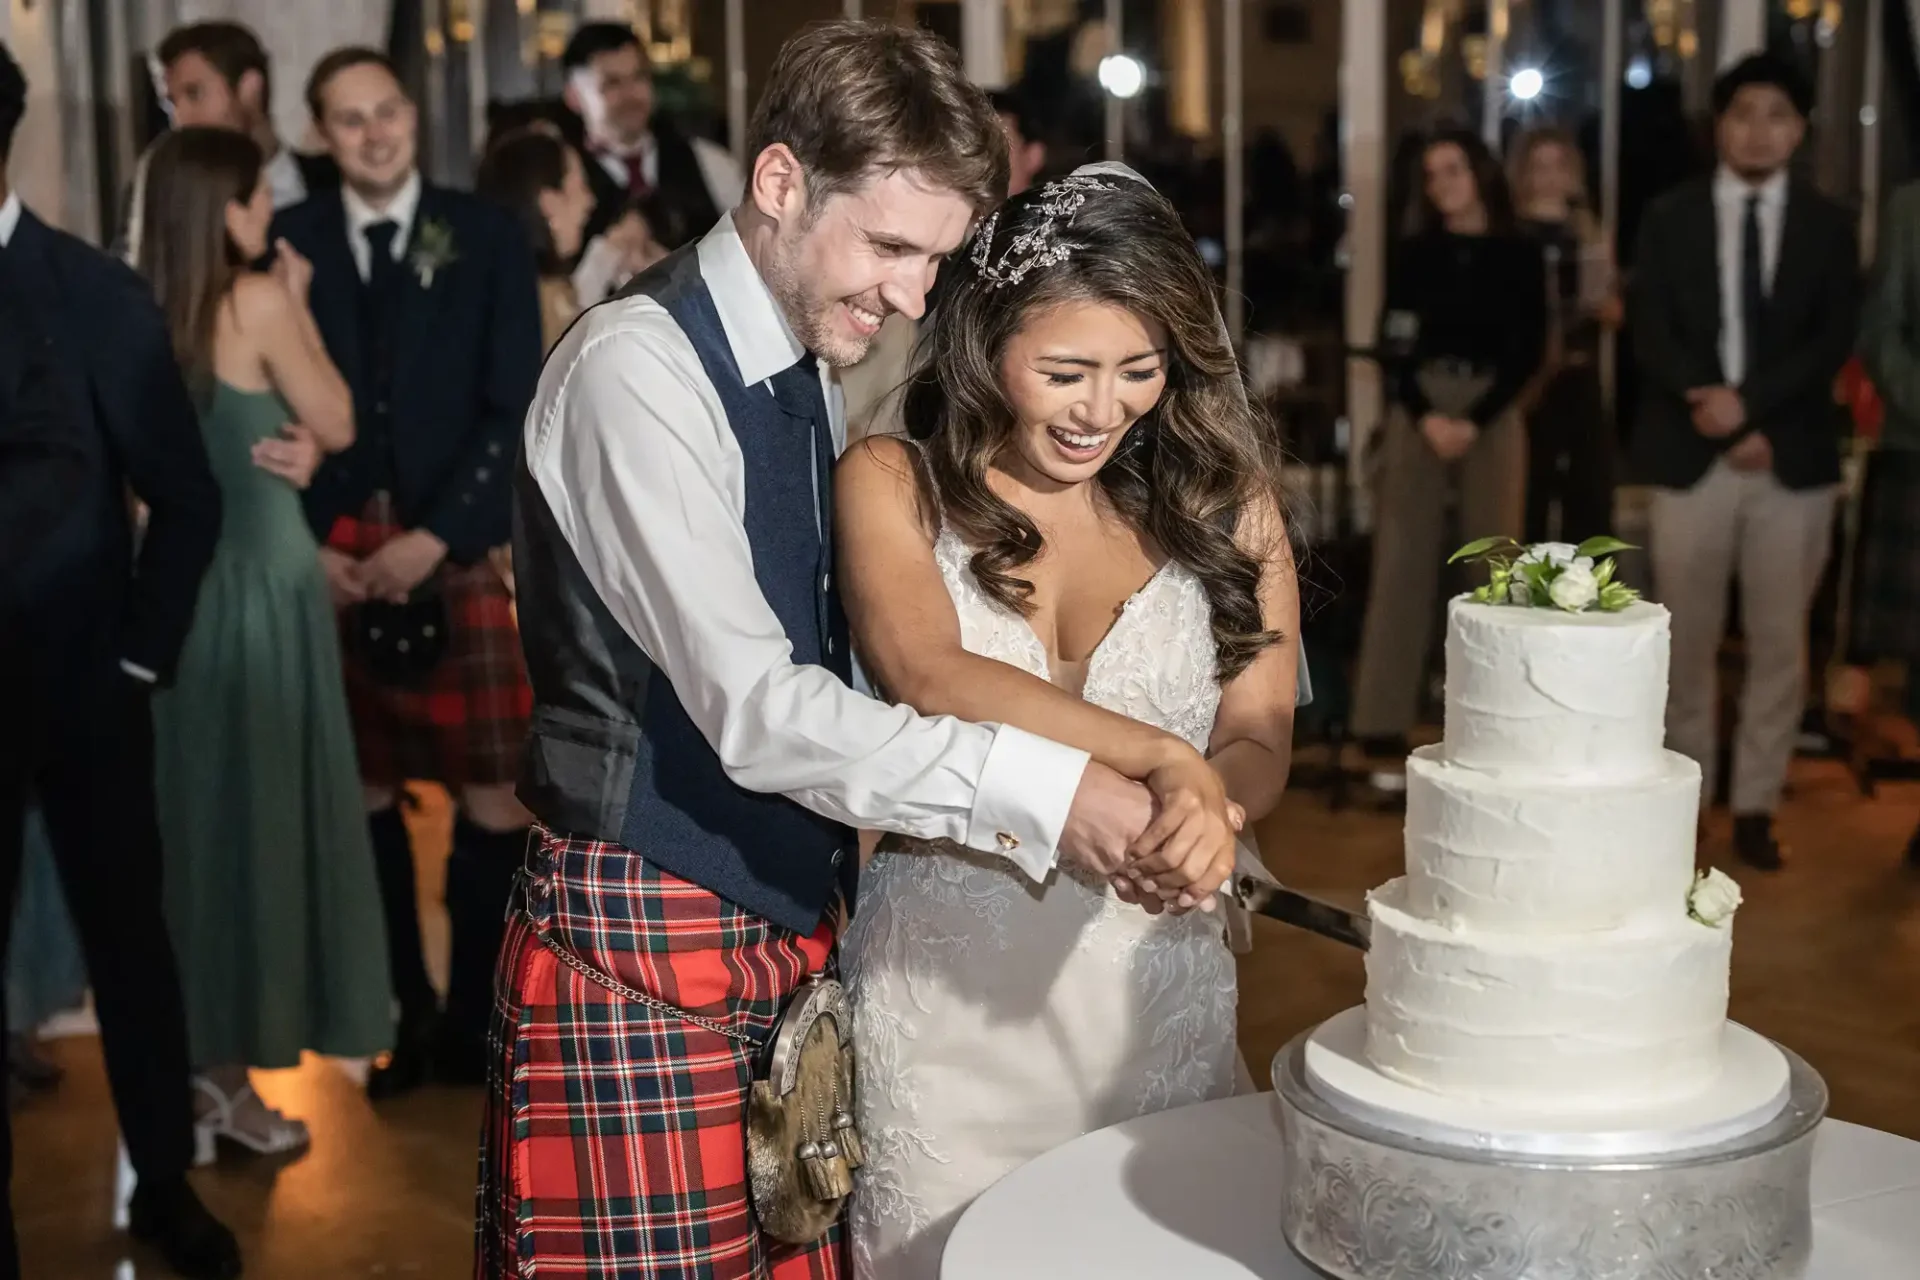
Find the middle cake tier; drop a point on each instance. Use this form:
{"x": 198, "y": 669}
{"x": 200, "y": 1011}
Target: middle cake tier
{"x": 1511, "y": 854}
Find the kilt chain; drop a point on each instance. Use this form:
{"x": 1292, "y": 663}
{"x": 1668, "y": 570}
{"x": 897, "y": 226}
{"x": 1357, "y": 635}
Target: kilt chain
{"x": 625, "y": 992}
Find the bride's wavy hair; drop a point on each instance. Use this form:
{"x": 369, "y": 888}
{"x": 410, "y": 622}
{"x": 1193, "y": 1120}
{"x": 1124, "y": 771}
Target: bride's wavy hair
{"x": 1187, "y": 473}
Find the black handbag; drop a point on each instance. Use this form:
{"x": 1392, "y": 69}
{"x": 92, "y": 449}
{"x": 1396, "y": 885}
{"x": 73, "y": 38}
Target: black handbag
{"x": 401, "y": 644}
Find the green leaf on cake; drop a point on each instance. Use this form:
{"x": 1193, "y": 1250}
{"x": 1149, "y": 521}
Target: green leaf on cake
{"x": 1480, "y": 547}
{"x": 1603, "y": 546}
{"x": 1616, "y": 596}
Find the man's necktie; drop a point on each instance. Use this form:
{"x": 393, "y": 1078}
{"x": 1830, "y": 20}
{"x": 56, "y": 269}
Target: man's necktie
{"x": 800, "y": 393}
{"x": 1753, "y": 287}
{"x": 382, "y": 270}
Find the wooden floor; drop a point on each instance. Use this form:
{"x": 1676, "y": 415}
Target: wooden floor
{"x": 1827, "y": 961}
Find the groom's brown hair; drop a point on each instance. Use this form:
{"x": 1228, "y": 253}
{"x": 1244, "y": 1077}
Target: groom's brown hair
{"x": 856, "y": 99}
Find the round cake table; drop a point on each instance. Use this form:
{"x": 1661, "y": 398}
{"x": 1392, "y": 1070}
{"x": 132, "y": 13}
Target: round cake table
{"x": 1193, "y": 1193}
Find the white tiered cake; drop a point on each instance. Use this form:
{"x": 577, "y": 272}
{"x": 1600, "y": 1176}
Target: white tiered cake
{"x": 1539, "y": 950}
{"x": 1539, "y": 969}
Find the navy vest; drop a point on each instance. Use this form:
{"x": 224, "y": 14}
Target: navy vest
{"x": 612, "y": 754}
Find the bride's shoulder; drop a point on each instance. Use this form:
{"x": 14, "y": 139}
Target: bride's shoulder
{"x": 882, "y": 474}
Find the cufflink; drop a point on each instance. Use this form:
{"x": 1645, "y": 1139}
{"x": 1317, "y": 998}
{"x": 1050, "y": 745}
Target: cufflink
{"x": 1008, "y": 841}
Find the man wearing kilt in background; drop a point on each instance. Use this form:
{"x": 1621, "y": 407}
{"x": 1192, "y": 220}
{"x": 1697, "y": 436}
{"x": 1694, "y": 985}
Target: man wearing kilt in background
{"x": 427, "y": 301}
{"x": 1886, "y": 598}
{"x": 696, "y": 760}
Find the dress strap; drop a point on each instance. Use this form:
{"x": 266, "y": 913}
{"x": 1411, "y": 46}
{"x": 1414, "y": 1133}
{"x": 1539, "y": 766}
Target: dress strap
{"x": 929, "y": 487}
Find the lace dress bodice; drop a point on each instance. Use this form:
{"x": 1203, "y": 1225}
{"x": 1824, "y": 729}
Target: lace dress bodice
{"x": 995, "y": 1018}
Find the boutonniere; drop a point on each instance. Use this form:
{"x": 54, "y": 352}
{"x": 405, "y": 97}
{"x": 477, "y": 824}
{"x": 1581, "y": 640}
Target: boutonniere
{"x": 433, "y": 251}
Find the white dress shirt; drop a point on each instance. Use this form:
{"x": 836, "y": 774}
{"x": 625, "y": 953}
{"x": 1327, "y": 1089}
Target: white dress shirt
{"x": 1730, "y": 220}
{"x": 361, "y": 215}
{"x": 630, "y": 446}
{"x": 718, "y": 171}
{"x": 284, "y": 179}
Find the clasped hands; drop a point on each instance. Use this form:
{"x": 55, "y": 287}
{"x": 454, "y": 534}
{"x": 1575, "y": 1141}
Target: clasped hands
{"x": 1718, "y": 412}
{"x": 391, "y": 573}
{"x": 1166, "y": 843}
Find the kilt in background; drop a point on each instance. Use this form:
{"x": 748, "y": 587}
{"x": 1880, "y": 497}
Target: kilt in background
{"x": 615, "y": 1136}
{"x": 466, "y": 724}
{"x": 1886, "y": 594}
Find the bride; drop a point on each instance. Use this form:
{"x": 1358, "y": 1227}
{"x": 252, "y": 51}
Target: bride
{"x": 1085, "y": 542}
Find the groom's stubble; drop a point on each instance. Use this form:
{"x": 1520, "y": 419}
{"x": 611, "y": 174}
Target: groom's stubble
{"x": 807, "y": 313}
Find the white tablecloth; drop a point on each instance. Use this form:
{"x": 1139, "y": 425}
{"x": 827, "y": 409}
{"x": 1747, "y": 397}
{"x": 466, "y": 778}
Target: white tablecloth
{"x": 1193, "y": 1193}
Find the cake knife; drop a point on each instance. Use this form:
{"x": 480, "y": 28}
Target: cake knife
{"x": 1265, "y": 896}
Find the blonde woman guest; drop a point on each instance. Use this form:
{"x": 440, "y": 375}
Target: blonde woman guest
{"x": 270, "y": 887}
{"x": 1570, "y": 439}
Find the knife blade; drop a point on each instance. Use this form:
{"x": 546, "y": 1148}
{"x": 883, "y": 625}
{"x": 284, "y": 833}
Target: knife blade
{"x": 1270, "y": 898}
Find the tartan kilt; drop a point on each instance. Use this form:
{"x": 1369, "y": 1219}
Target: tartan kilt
{"x": 465, "y": 725}
{"x": 1886, "y": 596}
{"x": 614, "y": 1144}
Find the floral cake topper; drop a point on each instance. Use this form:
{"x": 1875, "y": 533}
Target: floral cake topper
{"x": 1557, "y": 575}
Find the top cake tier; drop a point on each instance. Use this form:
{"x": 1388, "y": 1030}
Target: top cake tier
{"x": 1547, "y": 692}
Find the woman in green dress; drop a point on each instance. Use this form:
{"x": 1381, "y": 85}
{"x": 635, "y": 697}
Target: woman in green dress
{"x": 270, "y": 886}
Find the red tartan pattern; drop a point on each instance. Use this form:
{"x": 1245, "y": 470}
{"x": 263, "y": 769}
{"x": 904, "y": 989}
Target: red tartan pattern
{"x": 615, "y": 1144}
{"x": 466, "y": 725}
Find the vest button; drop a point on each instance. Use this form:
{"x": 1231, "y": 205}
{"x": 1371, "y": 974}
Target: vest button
{"x": 829, "y": 645}
{"x": 826, "y": 582}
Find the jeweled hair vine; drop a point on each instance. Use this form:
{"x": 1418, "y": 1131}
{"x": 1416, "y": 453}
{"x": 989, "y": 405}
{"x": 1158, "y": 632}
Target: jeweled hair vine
{"x": 1188, "y": 473}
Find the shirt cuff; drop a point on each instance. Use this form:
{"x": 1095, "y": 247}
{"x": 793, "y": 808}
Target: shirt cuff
{"x": 1021, "y": 802}
{"x": 139, "y": 672}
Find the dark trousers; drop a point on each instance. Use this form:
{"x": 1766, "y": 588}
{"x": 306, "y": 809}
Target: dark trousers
{"x": 85, "y": 749}
{"x": 1570, "y": 459}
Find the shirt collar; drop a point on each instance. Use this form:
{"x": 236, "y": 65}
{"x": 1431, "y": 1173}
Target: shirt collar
{"x": 1729, "y": 186}
{"x": 405, "y": 204}
{"x": 284, "y": 179}
{"x": 757, "y": 332}
{"x": 9, "y": 218}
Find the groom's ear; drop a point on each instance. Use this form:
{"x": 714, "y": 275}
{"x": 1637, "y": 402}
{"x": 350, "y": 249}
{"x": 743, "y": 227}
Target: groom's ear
{"x": 778, "y": 188}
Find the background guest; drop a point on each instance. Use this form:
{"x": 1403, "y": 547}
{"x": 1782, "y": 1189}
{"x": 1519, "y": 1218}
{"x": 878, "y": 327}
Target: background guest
{"x": 1461, "y": 339}
{"x": 1570, "y": 444}
{"x": 217, "y": 74}
{"x": 108, "y": 627}
{"x": 427, "y": 300}
{"x": 637, "y": 153}
{"x": 1886, "y": 597}
{"x": 259, "y": 790}
{"x": 1745, "y": 301}
{"x": 44, "y": 469}
{"x": 543, "y": 182}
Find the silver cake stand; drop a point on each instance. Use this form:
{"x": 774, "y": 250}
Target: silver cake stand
{"x": 1362, "y": 1202}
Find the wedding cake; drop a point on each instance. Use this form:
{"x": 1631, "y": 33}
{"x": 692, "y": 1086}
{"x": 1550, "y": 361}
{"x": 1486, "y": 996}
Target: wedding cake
{"x": 1547, "y": 946}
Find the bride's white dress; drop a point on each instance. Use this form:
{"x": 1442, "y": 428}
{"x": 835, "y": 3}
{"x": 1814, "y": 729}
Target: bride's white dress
{"x": 995, "y": 1018}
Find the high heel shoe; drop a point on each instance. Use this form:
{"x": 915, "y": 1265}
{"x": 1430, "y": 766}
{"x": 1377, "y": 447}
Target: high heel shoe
{"x": 281, "y": 1135}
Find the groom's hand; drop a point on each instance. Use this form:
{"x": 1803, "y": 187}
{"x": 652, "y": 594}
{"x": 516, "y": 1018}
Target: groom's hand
{"x": 1109, "y": 813}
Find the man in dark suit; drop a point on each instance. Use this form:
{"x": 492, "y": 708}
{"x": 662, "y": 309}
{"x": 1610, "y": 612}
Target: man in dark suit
{"x": 427, "y": 300}
{"x": 1744, "y": 307}
{"x": 45, "y": 463}
{"x": 635, "y": 156}
{"x": 107, "y": 627}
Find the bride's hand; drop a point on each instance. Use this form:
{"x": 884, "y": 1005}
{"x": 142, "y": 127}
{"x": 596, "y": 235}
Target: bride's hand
{"x": 1187, "y": 852}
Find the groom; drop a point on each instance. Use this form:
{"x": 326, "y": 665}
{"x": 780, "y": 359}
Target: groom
{"x": 696, "y": 759}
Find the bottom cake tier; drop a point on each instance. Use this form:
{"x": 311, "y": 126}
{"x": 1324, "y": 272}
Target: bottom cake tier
{"x": 1602, "y": 1020}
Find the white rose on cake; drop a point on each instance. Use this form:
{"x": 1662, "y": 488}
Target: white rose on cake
{"x": 1574, "y": 588}
{"x": 1560, "y": 554}
{"x": 1714, "y": 898}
